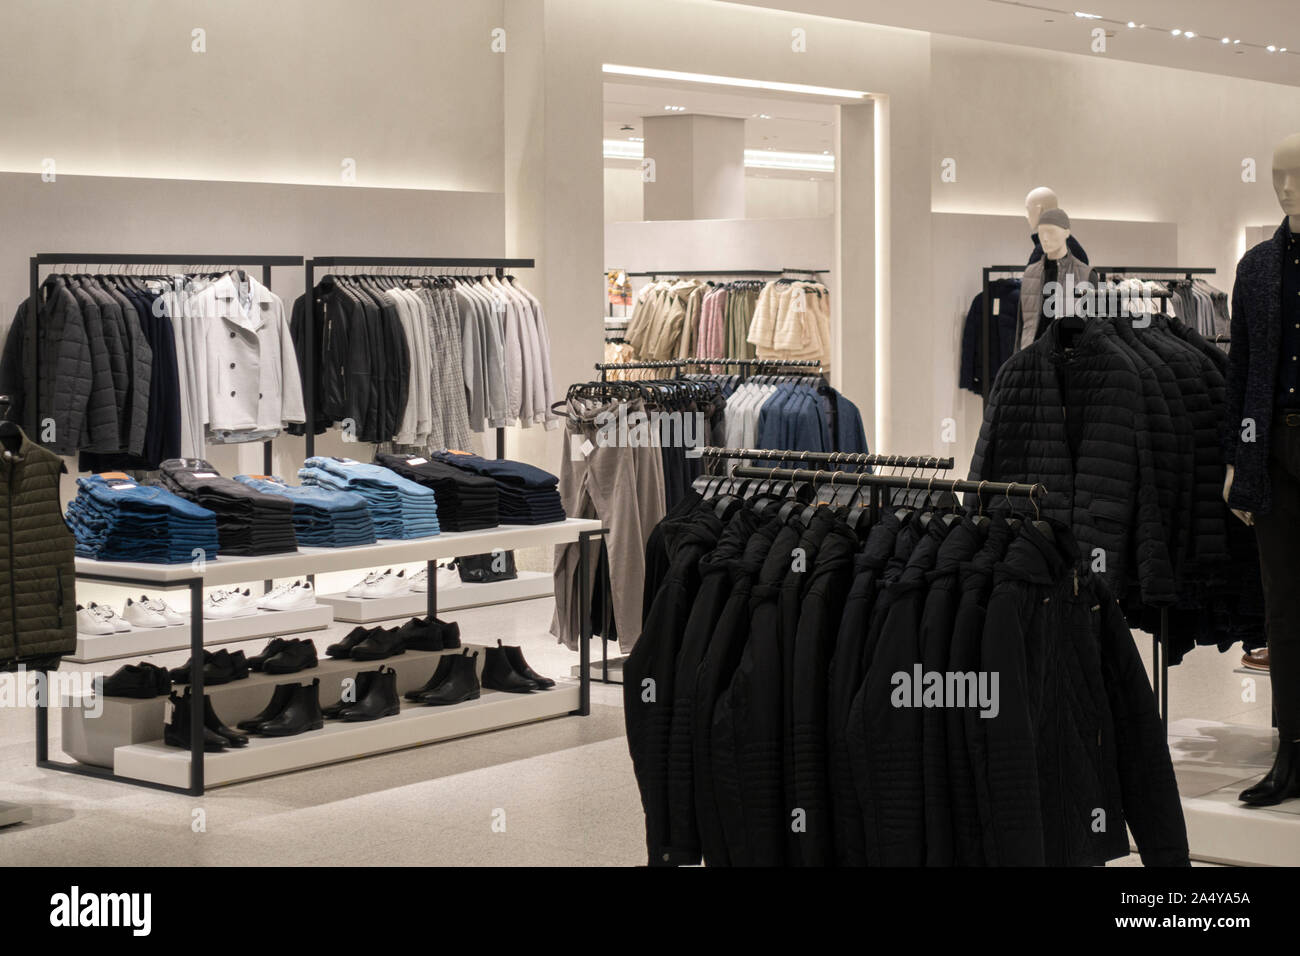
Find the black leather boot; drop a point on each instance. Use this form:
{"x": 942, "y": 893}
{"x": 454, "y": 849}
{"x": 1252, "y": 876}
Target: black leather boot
{"x": 233, "y": 738}
{"x": 380, "y": 699}
{"x": 361, "y": 684}
{"x": 439, "y": 675}
{"x": 301, "y": 714}
{"x": 498, "y": 674}
{"x": 515, "y": 655}
{"x": 177, "y": 733}
{"x": 461, "y": 683}
{"x": 1280, "y": 783}
{"x": 279, "y": 700}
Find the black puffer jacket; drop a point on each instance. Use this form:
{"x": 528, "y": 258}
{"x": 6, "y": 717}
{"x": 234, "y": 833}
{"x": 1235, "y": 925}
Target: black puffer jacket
{"x": 1075, "y": 421}
{"x": 650, "y": 672}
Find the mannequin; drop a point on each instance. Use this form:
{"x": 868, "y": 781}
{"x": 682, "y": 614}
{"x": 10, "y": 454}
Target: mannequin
{"x": 1262, "y": 484}
{"x": 1039, "y": 200}
{"x": 1059, "y": 263}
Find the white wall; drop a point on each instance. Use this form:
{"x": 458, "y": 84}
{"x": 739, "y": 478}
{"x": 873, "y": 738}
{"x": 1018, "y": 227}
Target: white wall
{"x": 765, "y": 197}
{"x": 699, "y": 244}
{"x": 409, "y": 89}
{"x": 624, "y": 194}
{"x": 1116, "y": 140}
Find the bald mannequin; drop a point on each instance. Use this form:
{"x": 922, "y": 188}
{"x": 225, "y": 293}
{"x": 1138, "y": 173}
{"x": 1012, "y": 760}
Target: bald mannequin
{"x": 1039, "y": 198}
{"x": 1262, "y": 485}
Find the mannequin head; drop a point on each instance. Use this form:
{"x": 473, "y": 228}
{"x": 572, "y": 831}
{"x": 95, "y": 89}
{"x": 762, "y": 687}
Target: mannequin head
{"x": 1039, "y": 199}
{"x": 1053, "y": 231}
{"x": 1286, "y": 178}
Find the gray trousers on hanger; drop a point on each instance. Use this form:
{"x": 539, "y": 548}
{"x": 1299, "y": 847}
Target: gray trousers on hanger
{"x": 623, "y": 486}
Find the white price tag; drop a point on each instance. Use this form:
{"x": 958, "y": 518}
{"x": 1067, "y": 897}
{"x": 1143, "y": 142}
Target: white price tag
{"x": 997, "y": 306}
{"x": 206, "y": 474}
{"x": 121, "y": 487}
{"x": 416, "y": 461}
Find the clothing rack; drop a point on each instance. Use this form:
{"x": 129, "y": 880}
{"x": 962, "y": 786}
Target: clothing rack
{"x": 1101, "y": 272}
{"x": 743, "y": 273}
{"x": 329, "y": 263}
{"x": 678, "y": 364}
{"x": 833, "y": 457}
{"x": 32, "y": 371}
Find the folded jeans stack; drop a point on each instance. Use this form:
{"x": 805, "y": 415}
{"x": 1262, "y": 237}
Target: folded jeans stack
{"x": 322, "y": 517}
{"x": 248, "y": 521}
{"x": 466, "y": 501}
{"x": 527, "y": 495}
{"x": 399, "y": 507}
{"x": 116, "y": 519}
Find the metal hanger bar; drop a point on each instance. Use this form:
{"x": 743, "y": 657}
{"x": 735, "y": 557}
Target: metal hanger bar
{"x": 1155, "y": 270}
{"x": 109, "y": 258}
{"x": 956, "y": 485}
{"x": 709, "y": 272}
{"x": 839, "y": 457}
{"x": 440, "y": 262}
{"x": 754, "y": 363}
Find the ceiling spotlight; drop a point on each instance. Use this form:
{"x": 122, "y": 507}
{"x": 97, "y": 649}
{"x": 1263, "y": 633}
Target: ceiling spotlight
{"x": 1225, "y": 40}
{"x": 1271, "y": 48}
{"x": 1176, "y": 32}
{"x": 1131, "y": 24}
{"x": 636, "y": 139}
{"x": 1283, "y": 50}
{"x": 1235, "y": 42}
{"x": 1189, "y": 34}
{"x": 1087, "y": 16}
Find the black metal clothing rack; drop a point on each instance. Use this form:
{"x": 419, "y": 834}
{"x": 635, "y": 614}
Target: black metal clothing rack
{"x": 32, "y": 371}
{"x": 328, "y": 263}
{"x": 1100, "y": 272}
{"x": 833, "y": 457}
{"x": 678, "y": 364}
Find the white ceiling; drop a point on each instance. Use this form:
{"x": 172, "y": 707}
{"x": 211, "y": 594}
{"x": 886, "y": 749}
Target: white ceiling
{"x": 1051, "y": 24}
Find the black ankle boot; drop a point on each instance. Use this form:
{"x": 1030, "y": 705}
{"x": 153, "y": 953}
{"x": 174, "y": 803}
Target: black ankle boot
{"x": 279, "y": 699}
{"x": 380, "y": 699}
{"x": 498, "y": 674}
{"x": 361, "y": 684}
{"x": 439, "y": 675}
{"x": 515, "y": 655}
{"x": 1281, "y": 783}
{"x": 213, "y": 723}
{"x": 177, "y": 733}
{"x": 301, "y": 713}
{"x": 460, "y": 684}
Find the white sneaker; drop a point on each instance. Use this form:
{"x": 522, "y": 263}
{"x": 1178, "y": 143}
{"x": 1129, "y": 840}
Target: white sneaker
{"x": 88, "y": 622}
{"x": 448, "y": 578}
{"x": 289, "y": 597}
{"x": 138, "y": 615}
{"x": 163, "y": 608}
{"x": 358, "y": 590}
{"x": 387, "y": 585}
{"x": 224, "y": 605}
{"x": 419, "y": 581}
{"x": 108, "y": 616}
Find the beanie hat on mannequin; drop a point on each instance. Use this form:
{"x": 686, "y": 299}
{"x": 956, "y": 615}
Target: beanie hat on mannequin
{"x": 1054, "y": 217}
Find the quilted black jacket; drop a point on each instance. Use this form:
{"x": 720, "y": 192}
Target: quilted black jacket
{"x": 1252, "y": 371}
{"x": 1104, "y": 488}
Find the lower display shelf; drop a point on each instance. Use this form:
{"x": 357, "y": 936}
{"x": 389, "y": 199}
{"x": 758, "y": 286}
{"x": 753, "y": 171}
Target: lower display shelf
{"x": 1215, "y": 761}
{"x": 140, "y": 641}
{"x": 528, "y": 585}
{"x": 414, "y": 726}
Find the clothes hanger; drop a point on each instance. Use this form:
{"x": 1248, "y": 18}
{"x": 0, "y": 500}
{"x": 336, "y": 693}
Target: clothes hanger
{"x": 1039, "y": 524}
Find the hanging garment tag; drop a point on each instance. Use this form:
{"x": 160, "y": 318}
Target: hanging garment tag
{"x": 997, "y": 306}
{"x": 167, "y": 713}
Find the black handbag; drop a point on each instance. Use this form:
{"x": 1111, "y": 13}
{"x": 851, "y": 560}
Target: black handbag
{"x": 487, "y": 568}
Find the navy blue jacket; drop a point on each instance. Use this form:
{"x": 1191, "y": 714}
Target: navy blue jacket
{"x": 1002, "y": 334}
{"x": 1252, "y": 371}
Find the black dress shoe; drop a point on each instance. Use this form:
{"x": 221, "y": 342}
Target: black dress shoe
{"x": 223, "y": 667}
{"x": 300, "y": 714}
{"x": 181, "y": 675}
{"x": 515, "y": 655}
{"x": 440, "y": 674}
{"x": 1281, "y": 783}
{"x": 276, "y": 645}
{"x": 293, "y": 657}
{"x": 430, "y": 634}
{"x": 460, "y": 684}
{"x": 360, "y": 686}
{"x": 140, "y": 681}
{"x": 343, "y": 649}
{"x": 380, "y": 699}
{"x": 498, "y": 674}
{"x": 381, "y": 643}
{"x": 279, "y": 699}
{"x": 177, "y": 733}
{"x": 213, "y": 723}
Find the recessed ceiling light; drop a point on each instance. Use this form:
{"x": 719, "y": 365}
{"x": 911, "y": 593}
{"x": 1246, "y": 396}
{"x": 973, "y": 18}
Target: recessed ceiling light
{"x": 1189, "y": 34}
{"x": 1087, "y": 16}
{"x": 675, "y": 109}
{"x": 1271, "y": 48}
{"x": 1176, "y": 32}
{"x": 636, "y": 139}
{"x": 1236, "y": 42}
{"x": 1131, "y": 24}
{"x": 1283, "y": 50}
{"x": 1225, "y": 40}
